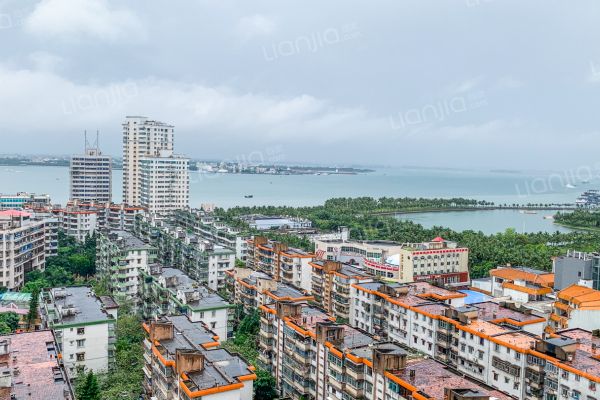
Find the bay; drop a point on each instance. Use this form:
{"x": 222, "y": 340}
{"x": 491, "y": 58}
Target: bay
{"x": 228, "y": 190}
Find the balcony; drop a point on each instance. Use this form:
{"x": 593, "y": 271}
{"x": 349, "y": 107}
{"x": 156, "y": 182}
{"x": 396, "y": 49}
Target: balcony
{"x": 355, "y": 393}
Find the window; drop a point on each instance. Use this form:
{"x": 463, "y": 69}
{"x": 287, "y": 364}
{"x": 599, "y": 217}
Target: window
{"x": 495, "y": 376}
{"x": 80, "y": 331}
{"x": 81, "y": 343}
{"x": 80, "y": 356}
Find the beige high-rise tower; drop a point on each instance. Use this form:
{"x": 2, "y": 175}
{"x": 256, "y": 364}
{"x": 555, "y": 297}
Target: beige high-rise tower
{"x": 142, "y": 137}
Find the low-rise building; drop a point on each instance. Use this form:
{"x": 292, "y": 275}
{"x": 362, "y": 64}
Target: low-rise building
{"x": 521, "y": 284}
{"x": 264, "y": 222}
{"x": 331, "y": 284}
{"x": 355, "y": 252}
{"x": 441, "y": 261}
{"x": 283, "y": 263}
{"x": 576, "y": 307}
{"x": 169, "y": 291}
{"x": 252, "y": 289}
{"x": 183, "y": 362}
{"x": 84, "y": 329}
{"x": 119, "y": 258}
{"x": 23, "y": 199}
{"x": 25, "y": 242}
{"x": 576, "y": 268}
{"x": 30, "y": 368}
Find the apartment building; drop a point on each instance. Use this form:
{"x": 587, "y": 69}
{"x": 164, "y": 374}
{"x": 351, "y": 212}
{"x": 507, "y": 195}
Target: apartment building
{"x": 521, "y": 284}
{"x": 169, "y": 291}
{"x": 22, "y": 199}
{"x": 576, "y": 307}
{"x": 439, "y": 260}
{"x": 25, "y": 242}
{"x": 252, "y": 289}
{"x": 30, "y": 368}
{"x": 203, "y": 260}
{"x": 81, "y": 219}
{"x": 489, "y": 341}
{"x": 142, "y": 137}
{"x": 120, "y": 256}
{"x": 288, "y": 265}
{"x": 576, "y": 268}
{"x": 204, "y": 224}
{"x": 183, "y": 362}
{"x": 84, "y": 328}
{"x": 312, "y": 357}
{"x": 331, "y": 284}
{"x": 356, "y": 252}
{"x": 164, "y": 182}
{"x": 565, "y": 366}
{"x": 91, "y": 175}
{"x": 78, "y": 224}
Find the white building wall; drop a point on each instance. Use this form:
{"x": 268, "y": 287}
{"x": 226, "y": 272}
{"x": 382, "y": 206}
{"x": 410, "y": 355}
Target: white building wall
{"x": 216, "y": 320}
{"x": 95, "y": 348}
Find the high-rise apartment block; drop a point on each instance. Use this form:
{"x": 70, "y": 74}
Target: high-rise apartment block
{"x": 142, "y": 137}
{"x": 25, "y": 242}
{"x": 163, "y": 182}
{"x": 91, "y": 175}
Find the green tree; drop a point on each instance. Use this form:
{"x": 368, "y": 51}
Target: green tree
{"x": 32, "y": 315}
{"x": 10, "y": 320}
{"x": 87, "y": 387}
{"x": 264, "y": 386}
{"x": 125, "y": 379}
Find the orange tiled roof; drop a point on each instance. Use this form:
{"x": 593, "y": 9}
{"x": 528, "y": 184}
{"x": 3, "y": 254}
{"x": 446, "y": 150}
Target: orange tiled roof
{"x": 585, "y": 297}
{"x": 539, "y": 291}
{"x": 518, "y": 274}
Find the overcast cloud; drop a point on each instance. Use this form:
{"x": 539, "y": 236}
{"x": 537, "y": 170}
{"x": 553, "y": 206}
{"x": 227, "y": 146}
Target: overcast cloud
{"x": 485, "y": 83}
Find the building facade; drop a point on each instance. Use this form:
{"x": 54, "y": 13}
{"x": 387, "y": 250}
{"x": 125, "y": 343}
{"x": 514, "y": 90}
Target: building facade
{"x": 84, "y": 329}
{"x": 576, "y": 307}
{"x": 169, "y": 291}
{"x": 142, "y": 137}
{"x": 91, "y": 176}
{"x": 331, "y": 286}
{"x": 521, "y": 284}
{"x": 25, "y": 242}
{"x": 164, "y": 183}
{"x": 21, "y": 199}
{"x": 575, "y": 268}
{"x": 183, "y": 361}
{"x": 120, "y": 257}
{"x": 288, "y": 265}
{"x": 312, "y": 357}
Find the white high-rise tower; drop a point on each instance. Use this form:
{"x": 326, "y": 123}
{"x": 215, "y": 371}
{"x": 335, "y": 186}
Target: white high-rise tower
{"x": 91, "y": 175}
{"x": 141, "y": 138}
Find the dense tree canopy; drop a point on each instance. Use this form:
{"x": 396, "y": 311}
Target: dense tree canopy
{"x": 363, "y": 217}
{"x": 75, "y": 263}
{"x": 579, "y": 219}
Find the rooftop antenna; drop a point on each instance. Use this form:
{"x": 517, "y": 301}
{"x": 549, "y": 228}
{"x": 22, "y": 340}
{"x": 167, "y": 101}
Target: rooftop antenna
{"x": 95, "y": 147}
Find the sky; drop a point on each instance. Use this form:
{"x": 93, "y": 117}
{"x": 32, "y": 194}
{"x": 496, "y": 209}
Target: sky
{"x": 455, "y": 83}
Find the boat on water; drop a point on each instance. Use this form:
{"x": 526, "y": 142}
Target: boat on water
{"x": 249, "y": 196}
{"x": 527, "y": 212}
{"x": 548, "y": 216}
{"x": 569, "y": 186}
